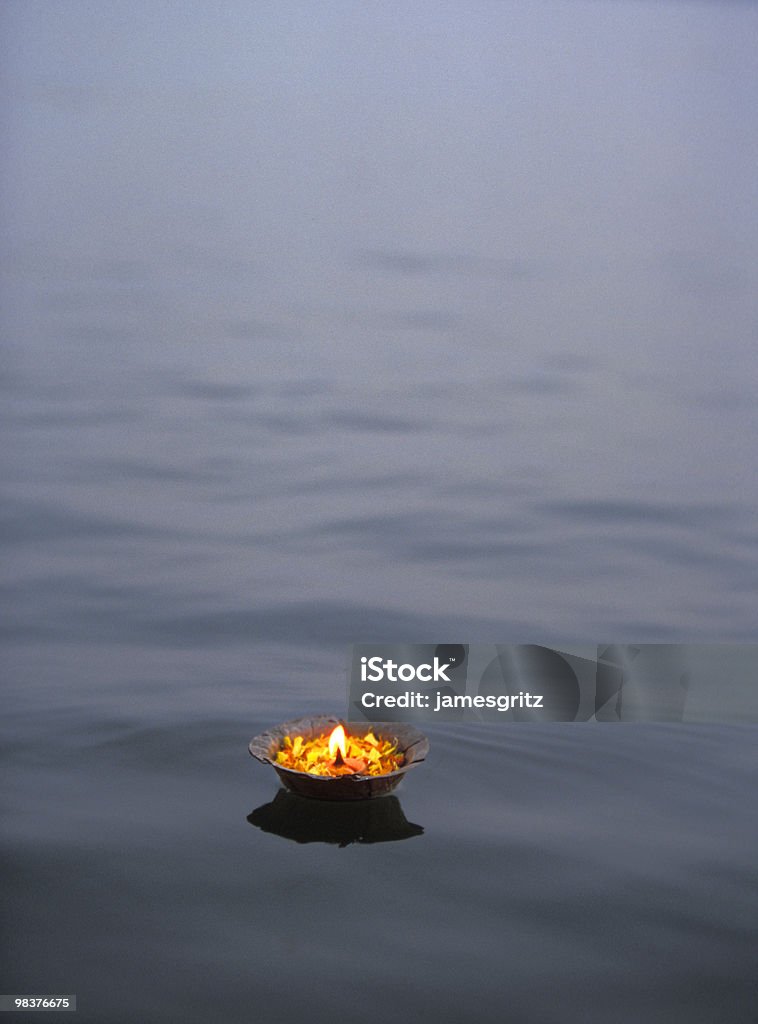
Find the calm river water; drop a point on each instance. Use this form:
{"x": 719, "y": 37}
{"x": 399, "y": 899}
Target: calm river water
{"x": 398, "y": 324}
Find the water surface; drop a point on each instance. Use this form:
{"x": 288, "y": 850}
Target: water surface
{"x": 416, "y": 326}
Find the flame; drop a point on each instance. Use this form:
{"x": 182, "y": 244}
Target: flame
{"x": 337, "y": 743}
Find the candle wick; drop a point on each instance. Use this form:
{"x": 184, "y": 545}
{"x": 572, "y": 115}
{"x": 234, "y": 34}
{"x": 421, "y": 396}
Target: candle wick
{"x": 338, "y": 759}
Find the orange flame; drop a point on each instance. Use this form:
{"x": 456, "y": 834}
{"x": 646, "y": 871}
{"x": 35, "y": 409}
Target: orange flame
{"x": 337, "y": 743}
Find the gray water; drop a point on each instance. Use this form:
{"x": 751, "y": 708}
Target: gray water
{"x": 404, "y": 324}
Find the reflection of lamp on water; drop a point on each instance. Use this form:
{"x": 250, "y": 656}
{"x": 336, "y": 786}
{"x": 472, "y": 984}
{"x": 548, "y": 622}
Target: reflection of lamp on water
{"x": 309, "y": 821}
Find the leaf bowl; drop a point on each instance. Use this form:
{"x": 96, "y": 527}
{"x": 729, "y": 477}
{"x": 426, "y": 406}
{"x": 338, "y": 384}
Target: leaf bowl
{"x": 413, "y": 745}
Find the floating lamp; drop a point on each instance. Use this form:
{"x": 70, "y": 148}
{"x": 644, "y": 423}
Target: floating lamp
{"x": 330, "y": 760}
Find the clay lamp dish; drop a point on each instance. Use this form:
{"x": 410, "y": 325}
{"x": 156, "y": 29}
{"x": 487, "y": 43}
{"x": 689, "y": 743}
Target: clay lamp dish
{"x": 411, "y": 747}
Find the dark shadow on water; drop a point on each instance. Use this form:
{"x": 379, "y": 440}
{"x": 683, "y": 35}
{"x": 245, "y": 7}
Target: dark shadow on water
{"x": 322, "y": 821}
